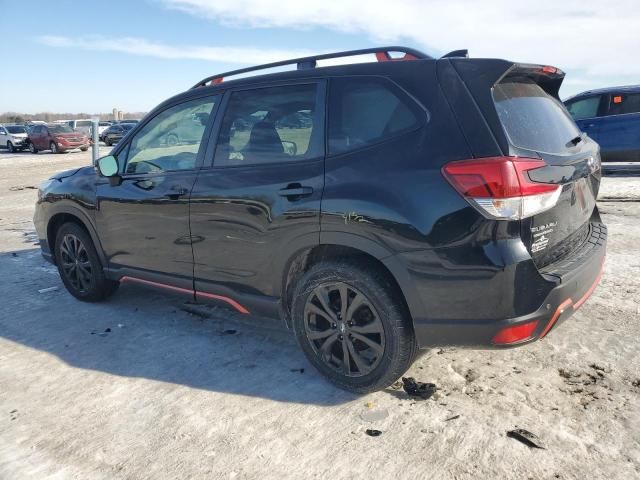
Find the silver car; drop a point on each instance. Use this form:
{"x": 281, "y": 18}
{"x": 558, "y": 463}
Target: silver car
{"x": 13, "y": 137}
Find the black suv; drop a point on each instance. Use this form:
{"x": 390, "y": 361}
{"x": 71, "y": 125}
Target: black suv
{"x": 378, "y": 208}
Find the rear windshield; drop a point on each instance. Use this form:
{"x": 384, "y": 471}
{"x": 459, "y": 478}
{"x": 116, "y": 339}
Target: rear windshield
{"x": 533, "y": 119}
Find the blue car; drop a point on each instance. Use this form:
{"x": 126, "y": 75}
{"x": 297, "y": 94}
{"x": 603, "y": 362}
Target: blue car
{"x": 610, "y": 116}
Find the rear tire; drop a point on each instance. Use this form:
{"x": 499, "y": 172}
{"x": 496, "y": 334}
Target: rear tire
{"x": 53, "y": 147}
{"x": 10, "y": 147}
{"x": 373, "y": 330}
{"x": 84, "y": 149}
{"x": 79, "y": 265}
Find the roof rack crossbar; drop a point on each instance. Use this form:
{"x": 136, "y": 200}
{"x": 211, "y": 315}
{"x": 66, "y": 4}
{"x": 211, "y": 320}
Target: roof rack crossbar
{"x": 382, "y": 54}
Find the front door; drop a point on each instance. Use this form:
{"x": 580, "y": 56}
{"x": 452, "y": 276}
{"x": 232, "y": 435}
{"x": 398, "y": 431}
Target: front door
{"x": 143, "y": 223}
{"x": 259, "y": 201}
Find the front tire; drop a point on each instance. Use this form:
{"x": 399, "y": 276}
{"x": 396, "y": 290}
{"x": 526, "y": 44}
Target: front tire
{"x": 79, "y": 265}
{"x": 353, "y": 325}
{"x": 10, "y": 147}
{"x": 84, "y": 149}
{"x": 32, "y": 148}
{"x": 53, "y": 147}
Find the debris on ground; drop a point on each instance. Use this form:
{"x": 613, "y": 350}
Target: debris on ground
{"x": 526, "y": 437}
{"x": 229, "y": 331}
{"x": 49, "y": 289}
{"x": 396, "y": 385}
{"x": 455, "y": 417}
{"x": 121, "y": 325}
{"x": 299, "y": 370}
{"x": 373, "y": 433}
{"x": 418, "y": 389}
{"x": 374, "y": 415}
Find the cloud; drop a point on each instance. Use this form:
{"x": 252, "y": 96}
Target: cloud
{"x": 599, "y": 40}
{"x": 141, "y": 46}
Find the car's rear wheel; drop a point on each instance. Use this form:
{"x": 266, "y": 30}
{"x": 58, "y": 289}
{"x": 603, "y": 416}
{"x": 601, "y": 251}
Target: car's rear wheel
{"x": 84, "y": 149}
{"x": 79, "y": 265}
{"x": 10, "y": 147}
{"x": 32, "y": 148}
{"x": 53, "y": 147}
{"x": 353, "y": 326}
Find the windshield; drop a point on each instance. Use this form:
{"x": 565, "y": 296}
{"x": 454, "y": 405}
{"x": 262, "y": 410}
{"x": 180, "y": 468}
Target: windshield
{"x": 533, "y": 119}
{"x": 60, "y": 128}
{"x": 16, "y": 129}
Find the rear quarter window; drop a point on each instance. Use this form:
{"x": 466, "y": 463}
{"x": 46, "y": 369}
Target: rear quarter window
{"x": 532, "y": 119}
{"x": 365, "y": 111}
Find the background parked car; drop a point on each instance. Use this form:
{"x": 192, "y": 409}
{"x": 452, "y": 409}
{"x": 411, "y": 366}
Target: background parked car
{"x": 611, "y": 116}
{"x": 13, "y": 137}
{"x": 83, "y": 126}
{"x": 114, "y": 133}
{"x": 56, "y": 137}
{"x": 102, "y": 126}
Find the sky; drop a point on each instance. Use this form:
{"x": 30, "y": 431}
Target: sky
{"x": 71, "y": 56}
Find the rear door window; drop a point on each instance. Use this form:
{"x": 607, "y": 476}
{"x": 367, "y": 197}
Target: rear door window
{"x": 365, "y": 111}
{"x": 584, "y": 108}
{"x": 271, "y": 125}
{"x": 533, "y": 119}
{"x": 620, "y": 103}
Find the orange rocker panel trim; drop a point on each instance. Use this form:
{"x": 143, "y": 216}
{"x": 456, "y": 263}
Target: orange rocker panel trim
{"x": 188, "y": 291}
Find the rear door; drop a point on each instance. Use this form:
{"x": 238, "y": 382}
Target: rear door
{"x": 258, "y": 201}
{"x": 619, "y": 135}
{"x": 143, "y": 222}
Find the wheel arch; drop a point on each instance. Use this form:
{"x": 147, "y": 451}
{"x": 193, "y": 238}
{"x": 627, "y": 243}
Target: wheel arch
{"x": 67, "y": 214}
{"x": 348, "y": 246}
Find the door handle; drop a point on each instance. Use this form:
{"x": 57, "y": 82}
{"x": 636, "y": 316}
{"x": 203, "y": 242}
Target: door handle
{"x": 176, "y": 193}
{"x": 295, "y": 190}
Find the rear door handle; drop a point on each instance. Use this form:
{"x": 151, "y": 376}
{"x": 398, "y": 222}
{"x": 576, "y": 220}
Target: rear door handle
{"x": 295, "y": 190}
{"x": 176, "y": 193}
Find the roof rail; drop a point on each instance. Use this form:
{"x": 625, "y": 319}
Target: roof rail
{"x": 457, "y": 54}
{"x": 382, "y": 55}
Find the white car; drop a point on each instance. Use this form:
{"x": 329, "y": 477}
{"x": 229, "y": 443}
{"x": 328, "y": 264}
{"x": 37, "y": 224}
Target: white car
{"x": 83, "y": 126}
{"x": 13, "y": 137}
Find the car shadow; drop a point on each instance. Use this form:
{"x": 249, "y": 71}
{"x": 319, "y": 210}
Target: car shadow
{"x": 141, "y": 333}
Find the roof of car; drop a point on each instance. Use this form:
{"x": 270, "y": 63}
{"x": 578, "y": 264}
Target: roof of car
{"x": 598, "y": 91}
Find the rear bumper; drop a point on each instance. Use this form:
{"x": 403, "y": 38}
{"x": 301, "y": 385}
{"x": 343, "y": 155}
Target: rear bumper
{"x": 573, "y": 280}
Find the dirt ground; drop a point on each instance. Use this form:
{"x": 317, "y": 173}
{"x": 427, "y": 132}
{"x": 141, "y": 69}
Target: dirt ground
{"x": 138, "y": 388}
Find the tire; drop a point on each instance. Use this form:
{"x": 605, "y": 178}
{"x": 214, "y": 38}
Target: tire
{"x": 32, "y": 148}
{"x": 10, "y": 147}
{"x": 53, "y": 147}
{"x": 107, "y": 141}
{"x": 84, "y": 149}
{"x": 84, "y": 278}
{"x": 382, "y": 319}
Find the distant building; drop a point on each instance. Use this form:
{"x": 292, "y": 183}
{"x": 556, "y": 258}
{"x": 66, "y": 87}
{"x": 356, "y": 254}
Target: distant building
{"x": 115, "y": 113}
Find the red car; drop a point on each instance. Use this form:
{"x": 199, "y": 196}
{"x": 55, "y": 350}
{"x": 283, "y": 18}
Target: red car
{"x": 56, "y": 137}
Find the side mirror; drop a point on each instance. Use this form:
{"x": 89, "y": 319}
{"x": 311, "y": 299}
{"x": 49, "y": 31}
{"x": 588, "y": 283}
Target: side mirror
{"x": 108, "y": 167}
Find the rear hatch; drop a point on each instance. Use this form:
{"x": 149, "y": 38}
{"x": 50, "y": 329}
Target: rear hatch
{"x": 537, "y": 124}
{"x": 526, "y": 118}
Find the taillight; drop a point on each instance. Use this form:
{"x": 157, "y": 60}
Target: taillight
{"x": 500, "y": 186}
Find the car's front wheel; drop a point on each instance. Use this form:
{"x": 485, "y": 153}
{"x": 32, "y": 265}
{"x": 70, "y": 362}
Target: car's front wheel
{"x": 353, "y": 325}
{"x": 10, "y": 147}
{"x": 79, "y": 265}
{"x": 53, "y": 147}
{"x": 32, "y": 148}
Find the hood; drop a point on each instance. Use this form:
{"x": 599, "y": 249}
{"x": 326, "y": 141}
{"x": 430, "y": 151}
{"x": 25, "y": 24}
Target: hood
{"x": 69, "y": 135}
{"x": 67, "y": 173}
{"x": 19, "y": 135}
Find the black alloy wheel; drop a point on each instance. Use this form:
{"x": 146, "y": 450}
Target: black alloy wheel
{"x": 76, "y": 265}
{"x": 344, "y": 329}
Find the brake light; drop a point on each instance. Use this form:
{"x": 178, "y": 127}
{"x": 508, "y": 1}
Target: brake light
{"x": 500, "y": 187}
